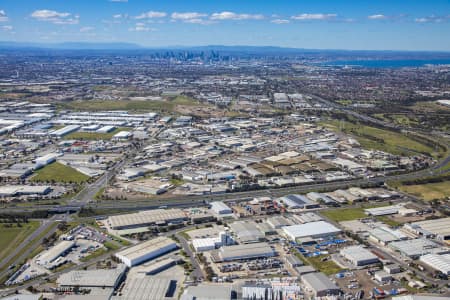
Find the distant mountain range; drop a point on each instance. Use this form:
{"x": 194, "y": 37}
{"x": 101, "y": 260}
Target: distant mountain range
{"x": 257, "y": 50}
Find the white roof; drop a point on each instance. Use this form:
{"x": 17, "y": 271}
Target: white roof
{"x": 311, "y": 229}
{"x": 146, "y": 247}
{"x": 438, "y": 262}
{"x": 358, "y": 253}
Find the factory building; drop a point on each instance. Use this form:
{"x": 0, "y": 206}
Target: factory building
{"x": 320, "y": 285}
{"x": 415, "y": 248}
{"x": 100, "y": 278}
{"x": 148, "y": 288}
{"x": 241, "y": 252}
{"x": 297, "y": 202}
{"x": 316, "y": 230}
{"x": 359, "y": 256}
{"x": 382, "y": 211}
{"x": 51, "y": 255}
{"x": 64, "y": 131}
{"x": 385, "y": 235}
{"x": 247, "y": 232}
{"x": 220, "y": 208}
{"x": 147, "y": 218}
{"x": 146, "y": 251}
{"x": 206, "y": 244}
{"x": 208, "y": 291}
{"x": 440, "y": 228}
{"x": 278, "y": 221}
{"x": 437, "y": 262}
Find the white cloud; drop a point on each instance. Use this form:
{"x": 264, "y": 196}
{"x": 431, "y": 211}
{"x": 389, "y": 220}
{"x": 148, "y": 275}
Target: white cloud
{"x": 7, "y": 28}
{"x": 60, "y": 18}
{"x": 3, "y": 16}
{"x": 151, "y": 15}
{"x": 377, "y": 17}
{"x": 228, "y": 15}
{"x": 314, "y": 17}
{"x": 87, "y": 29}
{"x": 187, "y": 16}
{"x": 141, "y": 27}
{"x": 280, "y": 21}
{"x": 118, "y": 16}
{"x": 432, "y": 19}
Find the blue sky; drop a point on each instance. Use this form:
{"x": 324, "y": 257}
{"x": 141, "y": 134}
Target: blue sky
{"x": 318, "y": 24}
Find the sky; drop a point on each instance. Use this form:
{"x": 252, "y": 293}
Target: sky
{"x": 313, "y": 24}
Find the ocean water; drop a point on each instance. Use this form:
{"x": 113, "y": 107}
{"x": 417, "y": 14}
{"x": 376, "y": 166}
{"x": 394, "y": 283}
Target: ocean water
{"x": 386, "y": 63}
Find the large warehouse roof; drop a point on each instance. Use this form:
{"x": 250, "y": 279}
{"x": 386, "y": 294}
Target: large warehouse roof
{"x": 319, "y": 282}
{"x": 92, "y": 278}
{"x": 320, "y": 228}
{"x": 417, "y": 247}
{"x": 440, "y": 227}
{"x": 144, "y": 218}
{"x": 246, "y": 231}
{"x": 358, "y": 254}
{"x": 237, "y": 252}
{"x": 438, "y": 262}
{"x": 146, "y": 247}
{"x": 144, "y": 288}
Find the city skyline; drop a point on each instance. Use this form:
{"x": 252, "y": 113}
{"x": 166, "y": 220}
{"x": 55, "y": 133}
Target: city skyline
{"x": 366, "y": 25}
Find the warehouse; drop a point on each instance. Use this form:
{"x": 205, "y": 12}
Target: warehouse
{"x": 318, "y": 229}
{"x": 122, "y": 135}
{"x": 320, "y": 285}
{"x": 50, "y": 255}
{"x": 359, "y": 256}
{"x": 146, "y": 251}
{"x": 382, "y": 211}
{"x": 64, "y": 131}
{"x": 418, "y": 247}
{"x": 220, "y": 208}
{"x": 437, "y": 262}
{"x": 438, "y": 227}
{"x": 208, "y": 291}
{"x": 19, "y": 190}
{"x": 147, "y": 218}
{"x": 148, "y": 288}
{"x": 297, "y": 202}
{"x": 206, "y": 244}
{"x": 278, "y": 222}
{"x": 240, "y": 252}
{"x": 247, "y": 232}
{"x": 101, "y": 278}
{"x": 385, "y": 235}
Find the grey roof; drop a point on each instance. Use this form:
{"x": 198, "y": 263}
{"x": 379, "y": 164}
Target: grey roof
{"x": 92, "y": 278}
{"x": 246, "y": 231}
{"x": 144, "y": 288}
{"x": 319, "y": 282}
{"x": 208, "y": 292}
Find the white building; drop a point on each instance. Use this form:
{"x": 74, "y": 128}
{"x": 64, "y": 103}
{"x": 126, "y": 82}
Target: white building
{"x": 314, "y": 229}
{"x": 359, "y": 256}
{"x": 146, "y": 251}
{"x": 220, "y": 208}
{"x": 437, "y": 262}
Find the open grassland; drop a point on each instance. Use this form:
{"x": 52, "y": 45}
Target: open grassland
{"x": 381, "y": 139}
{"x": 168, "y": 105}
{"x": 347, "y": 214}
{"x": 428, "y": 191}
{"x": 59, "y": 173}
{"x": 92, "y": 136}
{"x": 12, "y": 237}
{"x": 321, "y": 263}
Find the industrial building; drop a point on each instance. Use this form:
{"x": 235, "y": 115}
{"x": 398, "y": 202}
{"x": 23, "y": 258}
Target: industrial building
{"x": 208, "y": 291}
{"x": 382, "y": 211}
{"x": 320, "y": 285}
{"x": 220, "y": 208}
{"x": 318, "y": 229}
{"x": 415, "y": 248}
{"x": 148, "y": 288}
{"x": 100, "y": 278}
{"x": 64, "y": 131}
{"x": 440, "y": 228}
{"x": 48, "y": 257}
{"x": 297, "y": 202}
{"x": 359, "y": 256}
{"x": 211, "y": 243}
{"x": 437, "y": 262}
{"x": 278, "y": 221}
{"x": 22, "y": 190}
{"x": 146, "y": 251}
{"x": 147, "y": 218}
{"x": 385, "y": 235}
{"x": 240, "y": 252}
{"x": 247, "y": 232}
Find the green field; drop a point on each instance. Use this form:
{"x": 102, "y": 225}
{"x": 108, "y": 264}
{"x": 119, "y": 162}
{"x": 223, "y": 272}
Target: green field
{"x": 10, "y": 238}
{"x": 428, "y": 191}
{"x": 381, "y": 139}
{"x": 328, "y": 266}
{"x": 345, "y": 214}
{"x": 58, "y": 172}
{"x": 130, "y": 105}
{"x": 92, "y": 136}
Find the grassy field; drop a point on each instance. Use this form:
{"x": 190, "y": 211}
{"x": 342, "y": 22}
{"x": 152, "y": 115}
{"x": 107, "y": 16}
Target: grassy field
{"x": 10, "y": 238}
{"x": 428, "y": 191}
{"x": 130, "y": 105}
{"x": 328, "y": 267}
{"x": 92, "y": 136}
{"x": 59, "y": 173}
{"x": 346, "y": 214}
{"x": 381, "y": 139}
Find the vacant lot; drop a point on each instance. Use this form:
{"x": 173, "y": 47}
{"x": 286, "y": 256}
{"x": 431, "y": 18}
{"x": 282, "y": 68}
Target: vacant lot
{"x": 58, "y": 172}
{"x": 381, "y": 139}
{"x": 346, "y": 214}
{"x": 168, "y": 105}
{"x": 11, "y": 237}
{"x": 428, "y": 191}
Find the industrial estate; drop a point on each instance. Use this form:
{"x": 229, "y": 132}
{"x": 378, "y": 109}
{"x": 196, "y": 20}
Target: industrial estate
{"x": 222, "y": 175}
